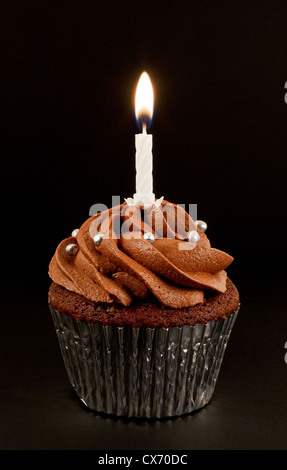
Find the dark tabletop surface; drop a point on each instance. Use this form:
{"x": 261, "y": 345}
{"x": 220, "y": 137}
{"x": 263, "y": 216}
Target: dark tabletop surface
{"x": 39, "y": 409}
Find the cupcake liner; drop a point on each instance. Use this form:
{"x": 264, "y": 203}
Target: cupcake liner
{"x": 144, "y": 372}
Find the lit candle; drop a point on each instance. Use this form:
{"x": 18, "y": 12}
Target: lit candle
{"x": 144, "y": 165}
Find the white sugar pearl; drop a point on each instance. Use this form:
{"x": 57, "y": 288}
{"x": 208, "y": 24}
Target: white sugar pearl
{"x": 75, "y": 232}
{"x": 201, "y": 225}
{"x": 149, "y": 237}
{"x": 193, "y": 236}
{"x": 72, "y": 249}
{"x": 98, "y": 239}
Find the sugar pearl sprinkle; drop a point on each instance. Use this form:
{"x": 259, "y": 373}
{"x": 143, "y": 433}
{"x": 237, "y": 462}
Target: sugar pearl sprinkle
{"x": 149, "y": 237}
{"x": 98, "y": 239}
{"x": 193, "y": 236}
{"x": 75, "y": 232}
{"x": 201, "y": 225}
{"x": 72, "y": 249}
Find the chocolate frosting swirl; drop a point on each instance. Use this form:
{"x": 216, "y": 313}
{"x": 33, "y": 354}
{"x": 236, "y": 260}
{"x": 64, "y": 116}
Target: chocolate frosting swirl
{"x": 125, "y": 266}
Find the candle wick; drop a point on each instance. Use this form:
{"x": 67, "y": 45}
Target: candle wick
{"x": 144, "y": 128}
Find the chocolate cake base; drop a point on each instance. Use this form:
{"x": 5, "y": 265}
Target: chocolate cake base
{"x": 150, "y": 313}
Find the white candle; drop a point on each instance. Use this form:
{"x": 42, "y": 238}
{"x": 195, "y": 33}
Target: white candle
{"x": 144, "y": 160}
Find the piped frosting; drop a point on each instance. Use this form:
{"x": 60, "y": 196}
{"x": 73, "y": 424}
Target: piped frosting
{"x": 125, "y": 267}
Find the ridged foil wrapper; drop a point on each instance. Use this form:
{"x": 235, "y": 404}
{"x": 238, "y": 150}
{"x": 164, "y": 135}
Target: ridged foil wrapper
{"x": 144, "y": 372}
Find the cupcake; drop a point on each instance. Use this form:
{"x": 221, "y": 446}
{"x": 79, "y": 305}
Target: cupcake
{"x": 143, "y": 310}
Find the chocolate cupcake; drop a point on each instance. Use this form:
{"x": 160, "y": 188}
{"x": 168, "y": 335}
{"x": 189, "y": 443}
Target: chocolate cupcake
{"x": 143, "y": 310}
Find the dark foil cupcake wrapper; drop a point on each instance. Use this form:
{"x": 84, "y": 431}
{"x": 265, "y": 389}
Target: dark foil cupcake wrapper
{"x": 144, "y": 372}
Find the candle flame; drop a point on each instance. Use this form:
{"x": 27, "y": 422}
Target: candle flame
{"x": 144, "y": 98}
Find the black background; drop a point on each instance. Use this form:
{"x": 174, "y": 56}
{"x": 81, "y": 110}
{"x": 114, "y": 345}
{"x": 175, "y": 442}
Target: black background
{"x": 69, "y": 70}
